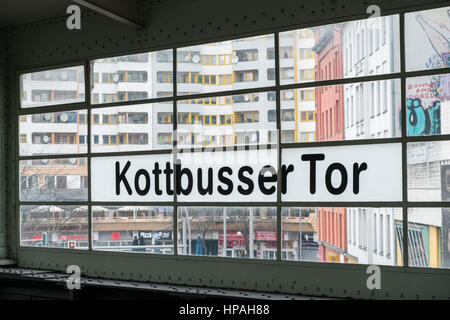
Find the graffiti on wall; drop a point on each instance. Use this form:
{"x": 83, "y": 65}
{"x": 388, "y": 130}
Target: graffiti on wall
{"x": 423, "y": 121}
{"x": 438, "y": 35}
{"x": 423, "y": 107}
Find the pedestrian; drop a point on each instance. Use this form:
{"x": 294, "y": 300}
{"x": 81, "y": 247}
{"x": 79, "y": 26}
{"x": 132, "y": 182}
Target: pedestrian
{"x": 141, "y": 243}
{"x": 135, "y": 243}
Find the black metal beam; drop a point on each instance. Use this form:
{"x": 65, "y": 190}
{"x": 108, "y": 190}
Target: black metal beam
{"x": 114, "y": 10}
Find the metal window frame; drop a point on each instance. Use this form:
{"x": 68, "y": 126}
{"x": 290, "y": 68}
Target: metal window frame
{"x": 32, "y": 255}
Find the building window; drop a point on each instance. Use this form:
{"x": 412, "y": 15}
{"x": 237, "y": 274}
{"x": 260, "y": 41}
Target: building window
{"x": 246, "y": 117}
{"x": 307, "y": 95}
{"x": 61, "y": 182}
{"x": 164, "y": 117}
{"x": 271, "y": 115}
{"x": 164, "y": 77}
{"x": 164, "y": 56}
{"x": 288, "y": 115}
{"x": 286, "y": 74}
{"x": 246, "y": 55}
{"x": 226, "y": 79}
{"x": 209, "y": 59}
{"x": 137, "y": 138}
{"x": 110, "y": 119}
{"x": 286, "y": 52}
{"x": 307, "y": 74}
{"x": 84, "y": 182}
{"x": 49, "y": 182}
{"x": 307, "y": 116}
{"x": 109, "y": 139}
{"x": 270, "y": 74}
{"x": 306, "y": 53}
{"x": 270, "y": 53}
{"x": 30, "y": 182}
{"x": 287, "y": 136}
{"x": 307, "y": 136}
{"x": 164, "y": 138}
{"x": 306, "y": 33}
{"x": 133, "y": 76}
{"x": 246, "y": 76}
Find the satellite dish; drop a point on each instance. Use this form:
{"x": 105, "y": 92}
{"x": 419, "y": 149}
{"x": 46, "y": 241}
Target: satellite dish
{"x": 235, "y": 59}
{"x": 47, "y": 75}
{"x": 289, "y": 95}
{"x": 116, "y": 77}
{"x": 73, "y": 160}
{"x": 46, "y": 139}
{"x": 63, "y": 75}
{"x": 64, "y": 117}
{"x": 290, "y": 73}
{"x": 47, "y": 116}
{"x": 196, "y": 58}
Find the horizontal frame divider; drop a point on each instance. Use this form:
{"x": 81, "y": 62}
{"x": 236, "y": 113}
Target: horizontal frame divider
{"x": 346, "y": 204}
{"x": 353, "y": 142}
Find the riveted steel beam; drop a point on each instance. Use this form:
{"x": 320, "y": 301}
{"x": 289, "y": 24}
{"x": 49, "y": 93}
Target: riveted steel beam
{"x": 122, "y": 11}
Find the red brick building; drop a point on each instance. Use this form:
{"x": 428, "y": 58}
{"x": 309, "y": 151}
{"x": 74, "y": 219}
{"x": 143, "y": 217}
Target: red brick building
{"x": 329, "y": 99}
{"x": 330, "y": 126}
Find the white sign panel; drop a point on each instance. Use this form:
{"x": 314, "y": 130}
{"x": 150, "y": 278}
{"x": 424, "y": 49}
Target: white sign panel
{"x": 343, "y": 173}
{"x": 320, "y": 174}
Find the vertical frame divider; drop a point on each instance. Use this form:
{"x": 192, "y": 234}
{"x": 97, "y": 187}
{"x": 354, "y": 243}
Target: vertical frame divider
{"x": 278, "y": 145}
{"x": 16, "y": 160}
{"x": 174, "y": 151}
{"x": 404, "y": 140}
{"x": 87, "y": 95}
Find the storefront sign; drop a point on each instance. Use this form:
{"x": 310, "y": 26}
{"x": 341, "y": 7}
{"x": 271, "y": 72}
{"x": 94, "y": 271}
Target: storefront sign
{"x": 116, "y": 236}
{"x": 265, "y": 236}
{"x": 72, "y": 237}
{"x": 158, "y": 235}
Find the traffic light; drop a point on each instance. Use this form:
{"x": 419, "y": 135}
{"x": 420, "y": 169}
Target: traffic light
{"x": 71, "y": 244}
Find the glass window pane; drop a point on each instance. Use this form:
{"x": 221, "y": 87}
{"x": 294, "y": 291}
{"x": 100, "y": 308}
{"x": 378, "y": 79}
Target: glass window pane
{"x": 429, "y": 237}
{"x": 245, "y": 65}
{"x": 427, "y": 39}
{"x": 227, "y": 175}
{"x": 52, "y": 226}
{"x": 428, "y": 171}
{"x": 133, "y": 229}
{"x": 345, "y": 50}
{"x": 132, "y": 178}
{"x": 133, "y": 77}
{"x": 428, "y": 102}
{"x": 53, "y": 179}
{"x": 52, "y": 87}
{"x": 342, "y": 235}
{"x": 365, "y": 110}
{"x": 53, "y": 133}
{"x": 132, "y": 127}
{"x": 245, "y": 232}
{"x": 248, "y": 121}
